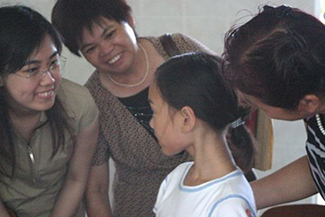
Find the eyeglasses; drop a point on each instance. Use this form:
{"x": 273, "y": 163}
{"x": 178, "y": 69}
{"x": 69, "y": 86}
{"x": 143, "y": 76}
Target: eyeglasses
{"x": 55, "y": 66}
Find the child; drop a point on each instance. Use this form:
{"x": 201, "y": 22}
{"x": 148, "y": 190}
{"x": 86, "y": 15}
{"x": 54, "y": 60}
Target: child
{"x": 196, "y": 110}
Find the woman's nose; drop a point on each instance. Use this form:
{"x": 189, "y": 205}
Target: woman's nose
{"x": 47, "y": 78}
{"x": 105, "y": 48}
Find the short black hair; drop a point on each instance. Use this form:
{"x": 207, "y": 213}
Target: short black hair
{"x": 70, "y": 17}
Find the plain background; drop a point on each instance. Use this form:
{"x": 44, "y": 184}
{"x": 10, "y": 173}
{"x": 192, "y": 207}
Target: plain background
{"x": 207, "y": 21}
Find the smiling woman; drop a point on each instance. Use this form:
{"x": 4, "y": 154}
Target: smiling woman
{"x": 103, "y": 32}
{"x": 49, "y": 125}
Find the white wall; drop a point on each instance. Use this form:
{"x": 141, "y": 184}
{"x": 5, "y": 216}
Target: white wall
{"x": 207, "y": 21}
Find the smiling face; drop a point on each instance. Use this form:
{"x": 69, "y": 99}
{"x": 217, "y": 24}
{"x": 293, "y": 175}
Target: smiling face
{"x": 110, "y": 47}
{"x": 30, "y": 95}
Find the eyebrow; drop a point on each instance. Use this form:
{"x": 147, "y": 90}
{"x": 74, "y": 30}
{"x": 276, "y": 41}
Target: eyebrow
{"x": 105, "y": 30}
{"x": 37, "y": 61}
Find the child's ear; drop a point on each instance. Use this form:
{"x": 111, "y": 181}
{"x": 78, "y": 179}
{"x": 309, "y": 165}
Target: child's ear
{"x": 310, "y": 103}
{"x": 188, "y": 118}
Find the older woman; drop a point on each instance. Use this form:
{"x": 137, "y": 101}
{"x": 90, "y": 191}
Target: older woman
{"x": 277, "y": 61}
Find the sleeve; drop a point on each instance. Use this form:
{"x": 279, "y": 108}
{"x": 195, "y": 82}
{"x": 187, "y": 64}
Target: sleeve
{"x": 78, "y": 104}
{"x": 102, "y": 151}
{"x": 232, "y": 207}
{"x": 90, "y": 112}
{"x": 160, "y": 195}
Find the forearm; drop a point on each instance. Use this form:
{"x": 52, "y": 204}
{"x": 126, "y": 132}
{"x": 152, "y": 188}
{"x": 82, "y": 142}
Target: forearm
{"x": 292, "y": 182}
{"x": 69, "y": 199}
{"x": 79, "y": 167}
{"x": 97, "y": 192}
{"x": 98, "y": 204}
{"x": 3, "y": 211}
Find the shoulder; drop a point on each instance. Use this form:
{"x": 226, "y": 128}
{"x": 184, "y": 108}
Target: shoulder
{"x": 179, "y": 171}
{"x": 184, "y": 43}
{"x": 232, "y": 206}
{"x": 71, "y": 91}
{"x": 77, "y": 102}
{"x": 178, "y": 38}
{"x": 237, "y": 195}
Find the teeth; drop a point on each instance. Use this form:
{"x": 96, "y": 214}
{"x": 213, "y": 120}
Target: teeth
{"x": 45, "y": 94}
{"x": 116, "y": 58}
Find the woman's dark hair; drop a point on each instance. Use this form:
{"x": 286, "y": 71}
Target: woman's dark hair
{"x": 278, "y": 56}
{"x": 195, "y": 80}
{"x": 22, "y": 32}
{"x": 71, "y": 17}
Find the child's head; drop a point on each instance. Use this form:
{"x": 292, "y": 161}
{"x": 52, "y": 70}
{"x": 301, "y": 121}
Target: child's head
{"x": 194, "y": 81}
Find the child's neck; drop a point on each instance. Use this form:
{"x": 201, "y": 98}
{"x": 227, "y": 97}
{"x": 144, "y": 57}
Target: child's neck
{"x": 212, "y": 159}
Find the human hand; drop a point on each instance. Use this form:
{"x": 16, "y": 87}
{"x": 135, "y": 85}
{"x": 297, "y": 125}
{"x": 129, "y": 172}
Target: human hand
{"x": 249, "y": 213}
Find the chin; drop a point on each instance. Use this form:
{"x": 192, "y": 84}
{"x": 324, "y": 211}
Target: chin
{"x": 172, "y": 153}
{"x": 166, "y": 152}
{"x": 45, "y": 107}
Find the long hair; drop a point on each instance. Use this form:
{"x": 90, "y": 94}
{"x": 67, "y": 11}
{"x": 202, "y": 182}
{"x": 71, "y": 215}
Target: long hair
{"x": 21, "y": 33}
{"x": 195, "y": 80}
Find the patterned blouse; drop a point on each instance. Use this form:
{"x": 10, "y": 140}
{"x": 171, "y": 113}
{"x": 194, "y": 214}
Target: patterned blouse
{"x": 140, "y": 165}
{"x": 315, "y": 147}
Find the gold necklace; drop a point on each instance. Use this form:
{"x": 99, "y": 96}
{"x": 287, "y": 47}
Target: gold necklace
{"x": 319, "y": 123}
{"x": 142, "y": 80}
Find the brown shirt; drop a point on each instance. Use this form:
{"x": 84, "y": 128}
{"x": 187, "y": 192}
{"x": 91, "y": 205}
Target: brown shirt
{"x": 140, "y": 164}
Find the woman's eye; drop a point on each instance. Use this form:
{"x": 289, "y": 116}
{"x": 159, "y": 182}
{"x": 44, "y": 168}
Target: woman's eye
{"x": 31, "y": 71}
{"x": 90, "y": 50}
{"x": 54, "y": 64}
{"x": 110, "y": 35}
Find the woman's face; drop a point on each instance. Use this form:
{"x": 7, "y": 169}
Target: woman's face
{"x": 275, "y": 112}
{"x": 110, "y": 47}
{"x": 36, "y": 93}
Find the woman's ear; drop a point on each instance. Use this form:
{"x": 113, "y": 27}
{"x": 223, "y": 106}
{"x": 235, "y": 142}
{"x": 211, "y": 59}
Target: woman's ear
{"x": 310, "y": 103}
{"x": 131, "y": 21}
{"x": 188, "y": 118}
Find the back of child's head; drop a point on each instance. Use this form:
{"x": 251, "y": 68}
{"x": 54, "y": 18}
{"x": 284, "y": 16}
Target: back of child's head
{"x": 71, "y": 17}
{"x": 195, "y": 80}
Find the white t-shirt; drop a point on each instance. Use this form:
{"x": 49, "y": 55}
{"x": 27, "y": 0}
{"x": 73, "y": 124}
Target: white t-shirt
{"x": 228, "y": 196}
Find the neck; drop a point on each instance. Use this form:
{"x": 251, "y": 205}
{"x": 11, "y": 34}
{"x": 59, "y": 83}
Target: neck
{"x": 25, "y": 125}
{"x": 212, "y": 158}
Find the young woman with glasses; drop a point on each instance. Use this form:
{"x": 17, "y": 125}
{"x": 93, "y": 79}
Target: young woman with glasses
{"x": 48, "y": 125}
